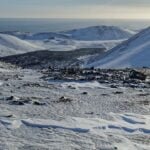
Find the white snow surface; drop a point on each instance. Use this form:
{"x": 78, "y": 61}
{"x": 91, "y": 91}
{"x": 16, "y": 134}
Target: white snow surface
{"x": 58, "y": 44}
{"x": 126, "y": 123}
{"x": 96, "y": 121}
{"x": 92, "y": 33}
{"x": 92, "y": 37}
{"x": 134, "y": 52}
{"x": 76, "y": 84}
{"x": 12, "y": 45}
{"x": 100, "y": 33}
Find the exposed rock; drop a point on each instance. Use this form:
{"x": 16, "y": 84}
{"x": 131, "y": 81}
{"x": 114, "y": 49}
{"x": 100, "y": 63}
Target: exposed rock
{"x": 8, "y": 116}
{"x": 85, "y": 93}
{"x": 71, "y": 87}
{"x": 118, "y": 92}
{"x": 137, "y": 75}
{"x": 10, "y": 98}
{"x": 38, "y": 103}
{"x": 14, "y": 102}
{"x": 113, "y": 86}
{"x": 105, "y": 94}
{"x": 64, "y": 99}
{"x": 144, "y": 94}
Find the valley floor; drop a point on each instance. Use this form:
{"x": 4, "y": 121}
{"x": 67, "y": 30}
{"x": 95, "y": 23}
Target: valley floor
{"x": 37, "y": 114}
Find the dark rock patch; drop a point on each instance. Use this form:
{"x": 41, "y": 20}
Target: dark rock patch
{"x": 64, "y": 100}
{"x": 39, "y": 103}
{"x": 137, "y": 75}
{"x": 85, "y": 93}
{"x": 118, "y": 92}
{"x": 14, "y": 102}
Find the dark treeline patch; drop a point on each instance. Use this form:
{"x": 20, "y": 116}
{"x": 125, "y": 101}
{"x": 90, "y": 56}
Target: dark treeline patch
{"x": 44, "y": 58}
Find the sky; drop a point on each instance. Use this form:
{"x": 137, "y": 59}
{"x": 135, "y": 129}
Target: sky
{"x": 114, "y": 9}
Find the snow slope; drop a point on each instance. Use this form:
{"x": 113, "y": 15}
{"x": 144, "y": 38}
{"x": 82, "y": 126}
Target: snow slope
{"x": 60, "y": 44}
{"x": 134, "y": 52}
{"x": 99, "y": 33}
{"x": 13, "y": 42}
{"x": 92, "y": 37}
{"x": 36, "y": 36}
{"x": 46, "y": 35}
{"x": 13, "y": 45}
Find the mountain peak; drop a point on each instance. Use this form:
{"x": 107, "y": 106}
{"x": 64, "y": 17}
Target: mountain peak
{"x": 99, "y": 33}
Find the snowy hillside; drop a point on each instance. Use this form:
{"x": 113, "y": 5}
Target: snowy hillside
{"x": 107, "y": 37}
{"x": 46, "y": 35}
{"x": 93, "y": 33}
{"x": 59, "y": 44}
{"x": 99, "y": 33}
{"x": 13, "y": 45}
{"x": 132, "y": 53}
{"x": 36, "y": 36}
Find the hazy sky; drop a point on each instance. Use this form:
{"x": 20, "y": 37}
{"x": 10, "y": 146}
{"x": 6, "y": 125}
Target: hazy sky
{"x": 75, "y": 9}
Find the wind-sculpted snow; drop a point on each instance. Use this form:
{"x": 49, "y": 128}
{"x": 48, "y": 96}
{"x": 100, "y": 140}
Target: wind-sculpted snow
{"x": 36, "y": 113}
{"x": 132, "y": 53}
{"x": 120, "y": 122}
{"x": 117, "y": 127}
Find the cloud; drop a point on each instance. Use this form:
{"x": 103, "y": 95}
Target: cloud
{"x": 75, "y": 8}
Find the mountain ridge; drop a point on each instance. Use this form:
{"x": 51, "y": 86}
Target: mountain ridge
{"x": 129, "y": 53}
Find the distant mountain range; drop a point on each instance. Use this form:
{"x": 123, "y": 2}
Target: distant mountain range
{"x": 93, "y": 33}
{"x": 100, "y": 33}
{"x": 130, "y": 49}
{"x": 105, "y": 37}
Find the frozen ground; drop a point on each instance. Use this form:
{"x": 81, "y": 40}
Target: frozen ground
{"x": 46, "y": 115}
{"x": 132, "y": 53}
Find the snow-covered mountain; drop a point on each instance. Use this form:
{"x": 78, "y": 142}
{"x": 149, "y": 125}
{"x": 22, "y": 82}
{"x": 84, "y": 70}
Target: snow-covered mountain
{"x": 12, "y": 45}
{"x": 46, "y": 35}
{"x": 15, "y": 42}
{"x": 93, "y": 33}
{"x": 134, "y": 52}
{"x": 37, "y": 36}
{"x": 100, "y": 33}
